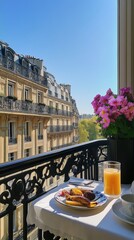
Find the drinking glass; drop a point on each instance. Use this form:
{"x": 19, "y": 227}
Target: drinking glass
{"x": 112, "y": 178}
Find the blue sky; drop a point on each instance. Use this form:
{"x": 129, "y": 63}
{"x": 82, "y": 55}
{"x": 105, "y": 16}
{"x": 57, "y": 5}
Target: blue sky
{"x": 77, "y": 39}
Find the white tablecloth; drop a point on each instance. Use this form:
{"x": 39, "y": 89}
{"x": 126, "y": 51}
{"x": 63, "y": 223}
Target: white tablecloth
{"x": 74, "y": 224}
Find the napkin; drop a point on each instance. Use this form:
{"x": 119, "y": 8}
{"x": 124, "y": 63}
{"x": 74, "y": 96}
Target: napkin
{"x": 80, "y": 182}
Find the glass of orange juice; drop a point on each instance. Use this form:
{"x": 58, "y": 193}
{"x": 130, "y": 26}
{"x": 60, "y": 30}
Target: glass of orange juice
{"x": 112, "y": 178}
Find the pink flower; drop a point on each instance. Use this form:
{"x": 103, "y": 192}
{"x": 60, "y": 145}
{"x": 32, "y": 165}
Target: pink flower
{"x": 115, "y": 101}
{"x": 105, "y": 121}
{"x": 124, "y": 91}
{"x": 109, "y": 92}
{"x": 115, "y": 113}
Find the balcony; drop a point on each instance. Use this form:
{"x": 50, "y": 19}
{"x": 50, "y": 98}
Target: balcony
{"x": 12, "y": 140}
{"x": 8, "y": 105}
{"x": 24, "y": 180}
{"x": 40, "y": 137}
{"x": 56, "y": 111}
{"x": 75, "y": 125}
{"x": 27, "y": 138}
{"x": 59, "y": 128}
{"x": 75, "y": 139}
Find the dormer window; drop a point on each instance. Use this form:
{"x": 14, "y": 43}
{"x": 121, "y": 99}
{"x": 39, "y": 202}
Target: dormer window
{"x": 10, "y": 60}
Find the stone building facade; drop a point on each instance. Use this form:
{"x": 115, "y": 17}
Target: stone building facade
{"x": 36, "y": 113}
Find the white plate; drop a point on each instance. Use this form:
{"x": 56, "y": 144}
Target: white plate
{"x": 100, "y": 198}
{"x": 118, "y": 211}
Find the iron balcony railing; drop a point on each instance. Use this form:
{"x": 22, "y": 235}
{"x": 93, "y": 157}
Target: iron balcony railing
{"x": 7, "y": 104}
{"x": 75, "y": 125}
{"x": 40, "y": 137}
{"x": 24, "y": 180}
{"x": 60, "y": 128}
{"x": 12, "y": 140}
{"x": 76, "y": 139}
{"x": 56, "y": 111}
{"x": 27, "y": 138}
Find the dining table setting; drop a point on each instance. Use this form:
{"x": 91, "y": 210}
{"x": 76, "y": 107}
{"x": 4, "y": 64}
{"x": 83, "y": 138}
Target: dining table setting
{"x": 79, "y": 209}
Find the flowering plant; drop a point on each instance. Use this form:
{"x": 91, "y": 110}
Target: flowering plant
{"x": 115, "y": 113}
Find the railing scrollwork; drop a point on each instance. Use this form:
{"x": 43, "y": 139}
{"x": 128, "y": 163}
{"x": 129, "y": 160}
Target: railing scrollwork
{"x": 24, "y": 180}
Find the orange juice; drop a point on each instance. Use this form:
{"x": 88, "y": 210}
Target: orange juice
{"x": 112, "y": 181}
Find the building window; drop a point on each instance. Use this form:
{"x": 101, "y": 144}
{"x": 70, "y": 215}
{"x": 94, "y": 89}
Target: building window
{"x": 10, "y": 60}
{"x": 39, "y": 149}
{"x": 27, "y": 94}
{"x": 11, "y": 88}
{"x": 51, "y": 104}
{"x": 40, "y": 97}
{"x": 27, "y": 132}
{"x": 11, "y": 156}
{"x": 27, "y": 152}
{"x": 62, "y": 94}
{"x": 40, "y": 130}
{"x": 56, "y": 105}
{"x": 11, "y": 133}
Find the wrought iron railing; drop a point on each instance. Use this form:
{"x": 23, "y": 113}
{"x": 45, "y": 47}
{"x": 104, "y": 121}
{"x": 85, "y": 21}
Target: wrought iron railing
{"x": 56, "y": 111}
{"x": 12, "y": 140}
{"x": 24, "y": 180}
{"x": 7, "y": 104}
{"x": 76, "y": 139}
{"x": 27, "y": 138}
{"x": 75, "y": 125}
{"x": 60, "y": 128}
{"x": 40, "y": 136}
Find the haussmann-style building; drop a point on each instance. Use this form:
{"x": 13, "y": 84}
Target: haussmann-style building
{"x": 37, "y": 115}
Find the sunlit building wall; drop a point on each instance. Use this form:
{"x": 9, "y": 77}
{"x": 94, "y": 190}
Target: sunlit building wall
{"x": 36, "y": 114}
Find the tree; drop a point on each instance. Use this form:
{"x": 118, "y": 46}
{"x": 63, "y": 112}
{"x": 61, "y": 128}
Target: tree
{"x": 89, "y": 129}
{"x": 83, "y": 134}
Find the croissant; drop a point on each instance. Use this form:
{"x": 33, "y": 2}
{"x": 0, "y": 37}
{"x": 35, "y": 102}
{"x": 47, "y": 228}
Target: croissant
{"x": 76, "y": 191}
{"x": 81, "y": 199}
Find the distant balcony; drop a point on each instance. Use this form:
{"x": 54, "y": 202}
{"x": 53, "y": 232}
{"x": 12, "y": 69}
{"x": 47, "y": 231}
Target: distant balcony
{"x": 23, "y": 71}
{"x": 75, "y": 125}
{"x": 56, "y": 94}
{"x": 24, "y": 180}
{"x": 60, "y": 128}
{"x": 12, "y": 97}
{"x": 40, "y": 137}
{"x": 27, "y": 138}
{"x": 62, "y": 97}
{"x": 50, "y": 92}
{"x": 7, "y": 104}
{"x": 56, "y": 111}
{"x": 75, "y": 139}
{"x": 12, "y": 140}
